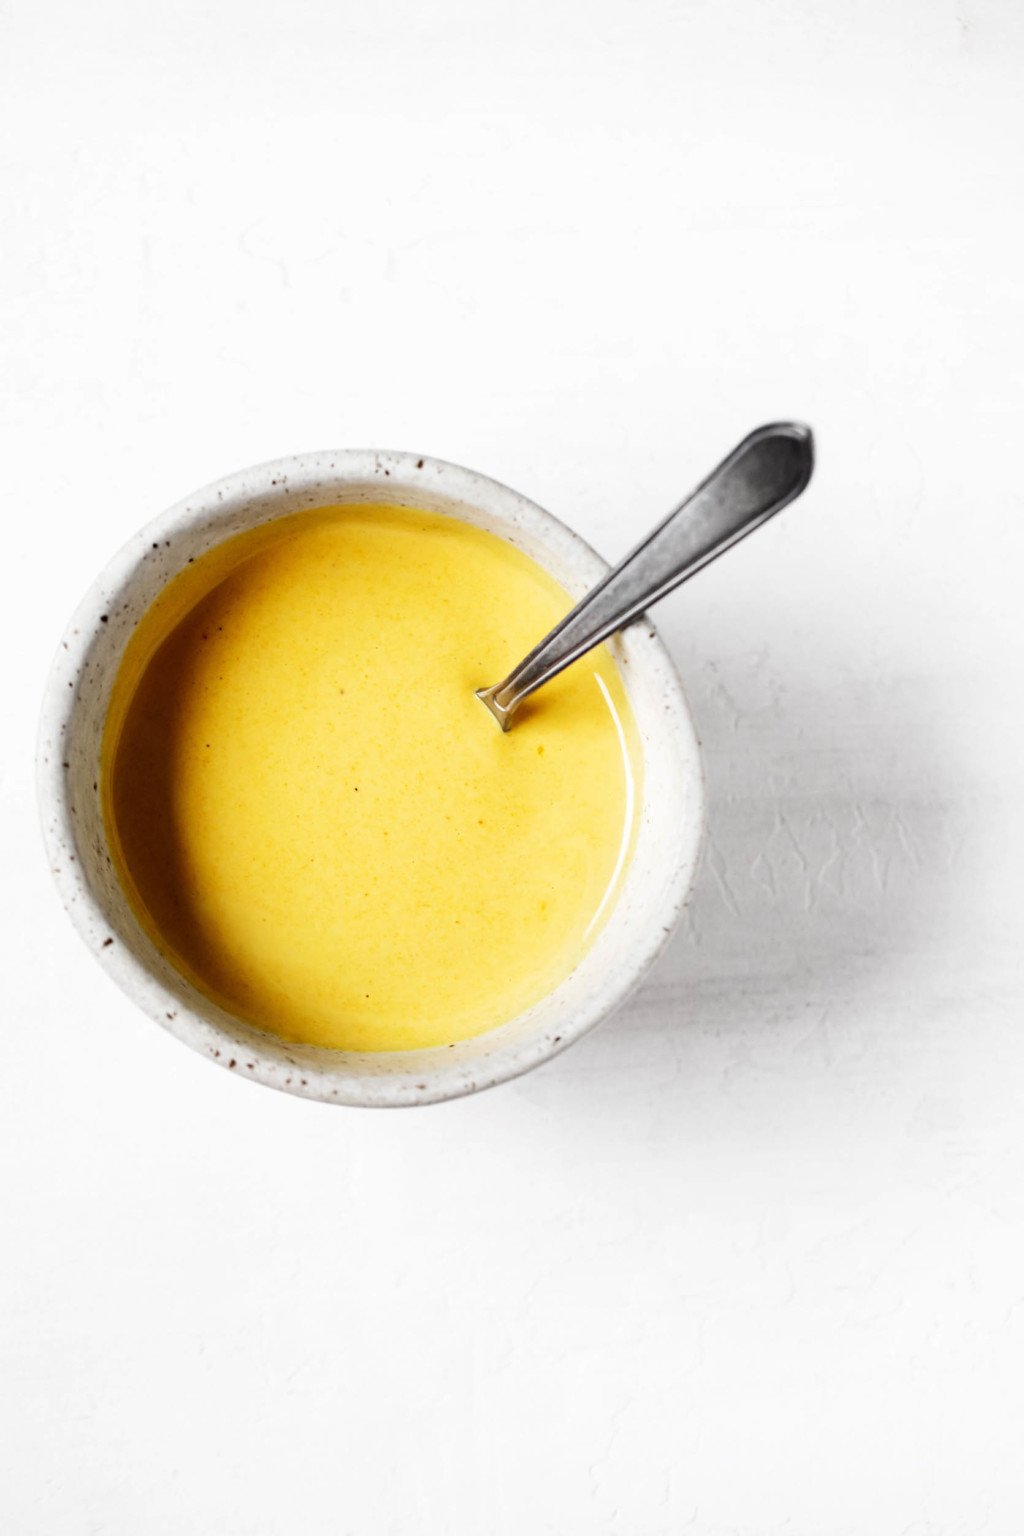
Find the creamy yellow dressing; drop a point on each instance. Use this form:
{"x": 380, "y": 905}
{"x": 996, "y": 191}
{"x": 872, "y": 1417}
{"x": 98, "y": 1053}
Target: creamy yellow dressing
{"x": 314, "y": 817}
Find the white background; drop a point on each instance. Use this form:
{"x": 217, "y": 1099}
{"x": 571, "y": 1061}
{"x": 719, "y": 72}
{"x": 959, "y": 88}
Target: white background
{"x": 750, "y": 1259}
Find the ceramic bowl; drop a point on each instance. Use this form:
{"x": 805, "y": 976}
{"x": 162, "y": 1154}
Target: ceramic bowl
{"x": 651, "y": 895}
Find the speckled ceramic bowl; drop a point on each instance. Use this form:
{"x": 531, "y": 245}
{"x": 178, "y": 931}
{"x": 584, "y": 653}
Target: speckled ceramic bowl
{"x": 655, "y": 885}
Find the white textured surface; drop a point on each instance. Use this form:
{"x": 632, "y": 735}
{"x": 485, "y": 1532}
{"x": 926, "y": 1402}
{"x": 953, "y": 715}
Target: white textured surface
{"x": 750, "y": 1260}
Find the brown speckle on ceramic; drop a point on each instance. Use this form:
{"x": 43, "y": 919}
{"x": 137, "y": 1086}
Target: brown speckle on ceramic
{"x": 655, "y": 886}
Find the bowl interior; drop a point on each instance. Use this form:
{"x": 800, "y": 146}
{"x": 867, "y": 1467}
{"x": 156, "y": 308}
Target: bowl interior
{"x": 652, "y": 892}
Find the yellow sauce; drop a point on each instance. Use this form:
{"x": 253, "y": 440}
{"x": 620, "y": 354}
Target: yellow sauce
{"x": 314, "y": 817}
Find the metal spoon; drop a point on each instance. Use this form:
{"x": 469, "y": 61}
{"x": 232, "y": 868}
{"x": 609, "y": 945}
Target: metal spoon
{"x": 768, "y": 470}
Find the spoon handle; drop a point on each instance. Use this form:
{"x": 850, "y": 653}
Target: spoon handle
{"x": 769, "y": 469}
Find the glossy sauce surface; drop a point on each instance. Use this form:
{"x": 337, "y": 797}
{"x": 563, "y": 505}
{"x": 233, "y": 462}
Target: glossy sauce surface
{"x": 318, "y": 822}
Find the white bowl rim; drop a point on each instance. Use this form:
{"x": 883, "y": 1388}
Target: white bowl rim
{"x": 348, "y": 466}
